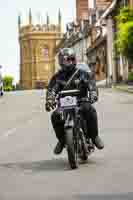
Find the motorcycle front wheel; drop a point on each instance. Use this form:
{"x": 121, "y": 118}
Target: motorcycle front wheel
{"x": 84, "y": 151}
{"x": 71, "y": 149}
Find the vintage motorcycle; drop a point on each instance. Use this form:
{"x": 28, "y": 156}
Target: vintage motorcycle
{"x": 77, "y": 143}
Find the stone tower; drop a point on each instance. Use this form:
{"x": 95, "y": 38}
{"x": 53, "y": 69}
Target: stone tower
{"x": 37, "y": 51}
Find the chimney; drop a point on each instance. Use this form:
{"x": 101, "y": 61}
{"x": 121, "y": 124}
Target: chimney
{"x": 81, "y": 10}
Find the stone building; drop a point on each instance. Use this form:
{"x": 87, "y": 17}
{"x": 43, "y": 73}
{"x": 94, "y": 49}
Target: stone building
{"x": 96, "y": 40}
{"x": 102, "y": 46}
{"x": 114, "y": 66}
{"x": 37, "y": 51}
{"x": 86, "y": 39}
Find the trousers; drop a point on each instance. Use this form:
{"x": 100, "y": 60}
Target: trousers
{"x": 88, "y": 113}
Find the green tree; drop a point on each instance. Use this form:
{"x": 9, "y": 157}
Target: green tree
{"x": 124, "y": 35}
{"x": 125, "y": 15}
{"x": 8, "y": 83}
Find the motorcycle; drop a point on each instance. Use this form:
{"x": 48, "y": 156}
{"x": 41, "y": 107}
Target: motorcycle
{"x": 77, "y": 143}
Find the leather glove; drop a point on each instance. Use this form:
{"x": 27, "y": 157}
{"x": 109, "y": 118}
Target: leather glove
{"x": 93, "y": 97}
{"x": 50, "y": 105}
{"x": 50, "y": 101}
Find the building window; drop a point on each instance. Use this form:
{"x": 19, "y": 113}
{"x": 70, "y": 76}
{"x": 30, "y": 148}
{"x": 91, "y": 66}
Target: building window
{"x": 45, "y": 52}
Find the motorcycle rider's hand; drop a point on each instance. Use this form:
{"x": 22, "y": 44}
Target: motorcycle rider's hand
{"x": 93, "y": 97}
{"x": 47, "y": 107}
{"x": 50, "y": 105}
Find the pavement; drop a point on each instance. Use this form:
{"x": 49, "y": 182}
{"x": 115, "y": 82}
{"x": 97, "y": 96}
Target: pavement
{"x": 30, "y": 171}
{"x": 124, "y": 87}
{"x": 101, "y": 84}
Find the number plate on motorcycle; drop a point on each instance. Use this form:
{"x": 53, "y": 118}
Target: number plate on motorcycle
{"x": 68, "y": 101}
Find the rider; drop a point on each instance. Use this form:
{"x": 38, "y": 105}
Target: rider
{"x": 67, "y": 61}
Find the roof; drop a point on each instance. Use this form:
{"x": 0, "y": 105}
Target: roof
{"x": 98, "y": 42}
{"x": 109, "y": 9}
{"x": 75, "y": 37}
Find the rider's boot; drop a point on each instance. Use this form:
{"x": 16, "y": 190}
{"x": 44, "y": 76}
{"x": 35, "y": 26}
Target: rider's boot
{"x": 98, "y": 142}
{"x": 58, "y": 148}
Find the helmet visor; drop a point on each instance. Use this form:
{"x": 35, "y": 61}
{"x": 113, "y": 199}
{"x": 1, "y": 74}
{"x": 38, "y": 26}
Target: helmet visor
{"x": 67, "y": 60}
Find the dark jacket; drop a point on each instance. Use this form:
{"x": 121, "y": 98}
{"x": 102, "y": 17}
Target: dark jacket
{"x": 54, "y": 86}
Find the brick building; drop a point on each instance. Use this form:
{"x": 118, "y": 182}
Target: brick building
{"x": 84, "y": 7}
{"x": 131, "y": 2}
{"x": 103, "y": 4}
{"x": 81, "y": 9}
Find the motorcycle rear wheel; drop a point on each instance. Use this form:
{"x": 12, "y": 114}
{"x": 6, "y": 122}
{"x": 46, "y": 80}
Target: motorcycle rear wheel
{"x": 71, "y": 150}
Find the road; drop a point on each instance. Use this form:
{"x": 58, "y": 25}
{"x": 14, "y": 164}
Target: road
{"x": 30, "y": 170}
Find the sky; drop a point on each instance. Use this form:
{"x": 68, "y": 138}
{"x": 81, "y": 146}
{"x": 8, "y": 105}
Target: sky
{"x": 9, "y": 11}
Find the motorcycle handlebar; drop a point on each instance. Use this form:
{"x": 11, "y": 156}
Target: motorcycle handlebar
{"x": 77, "y": 82}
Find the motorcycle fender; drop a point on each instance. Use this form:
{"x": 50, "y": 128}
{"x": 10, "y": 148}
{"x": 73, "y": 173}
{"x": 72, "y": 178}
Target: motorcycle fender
{"x": 69, "y": 124}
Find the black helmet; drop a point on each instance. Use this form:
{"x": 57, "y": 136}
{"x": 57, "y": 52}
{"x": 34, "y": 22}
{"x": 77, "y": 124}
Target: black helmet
{"x": 67, "y": 59}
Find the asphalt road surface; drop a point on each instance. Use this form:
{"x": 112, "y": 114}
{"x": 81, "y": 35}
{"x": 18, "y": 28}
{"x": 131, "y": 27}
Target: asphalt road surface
{"x": 30, "y": 170}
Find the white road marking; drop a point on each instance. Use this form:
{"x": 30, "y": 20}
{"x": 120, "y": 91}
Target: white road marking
{"x": 9, "y": 132}
{"x": 13, "y": 130}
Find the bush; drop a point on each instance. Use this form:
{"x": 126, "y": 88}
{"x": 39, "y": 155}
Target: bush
{"x": 125, "y": 39}
{"x": 125, "y": 15}
{"x": 8, "y": 88}
{"x": 13, "y": 87}
{"x": 130, "y": 76}
{"x": 8, "y": 83}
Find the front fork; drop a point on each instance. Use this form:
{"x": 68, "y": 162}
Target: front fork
{"x": 78, "y": 134}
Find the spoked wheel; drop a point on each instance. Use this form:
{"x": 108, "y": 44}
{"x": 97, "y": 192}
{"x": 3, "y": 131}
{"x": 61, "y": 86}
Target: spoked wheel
{"x": 83, "y": 149}
{"x": 71, "y": 149}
